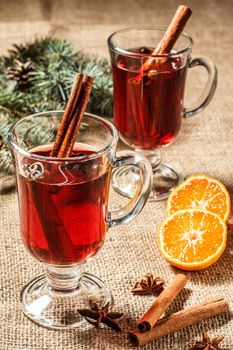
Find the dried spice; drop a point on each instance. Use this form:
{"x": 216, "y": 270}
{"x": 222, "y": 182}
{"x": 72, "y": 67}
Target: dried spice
{"x": 101, "y": 315}
{"x": 149, "y": 285}
{"x": 207, "y": 343}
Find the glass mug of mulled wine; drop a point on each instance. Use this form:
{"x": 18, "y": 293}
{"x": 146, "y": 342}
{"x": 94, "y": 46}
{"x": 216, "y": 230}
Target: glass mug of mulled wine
{"x": 63, "y": 207}
{"x": 148, "y": 103}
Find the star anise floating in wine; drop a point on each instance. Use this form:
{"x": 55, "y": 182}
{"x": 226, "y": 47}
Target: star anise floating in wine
{"x": 97, "y": 315}
{"x": 149, "y": 285}
{"x": 207, "y": 343}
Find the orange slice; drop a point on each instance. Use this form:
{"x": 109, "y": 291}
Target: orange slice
{"x": 200, "y": 192}
{"x": 192, "y": 239}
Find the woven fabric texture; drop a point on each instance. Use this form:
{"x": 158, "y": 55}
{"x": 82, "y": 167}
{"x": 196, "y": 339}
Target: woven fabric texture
{"x": 204, "y": 145}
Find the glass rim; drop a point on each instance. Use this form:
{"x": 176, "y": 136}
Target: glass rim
{"x": 86, "y": 157}
{"x": 137, "y": 55}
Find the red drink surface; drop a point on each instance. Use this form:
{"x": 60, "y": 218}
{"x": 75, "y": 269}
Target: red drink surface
{"x": 63, "y": 215}
{"x": 148, "y": 112}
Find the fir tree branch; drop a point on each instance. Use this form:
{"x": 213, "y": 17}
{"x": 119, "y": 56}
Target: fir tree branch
{"x": 46, "y": 85}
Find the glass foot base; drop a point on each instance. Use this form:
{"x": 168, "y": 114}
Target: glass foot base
{"x": 125, "y": 181}
{"x": 59, "y": 309}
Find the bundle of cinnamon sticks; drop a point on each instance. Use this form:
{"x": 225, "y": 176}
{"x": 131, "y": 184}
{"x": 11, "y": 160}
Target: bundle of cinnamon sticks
{"x": 72, "y": 117}
{"x": 57, "y": 238}
{"x": 150, "y": 327}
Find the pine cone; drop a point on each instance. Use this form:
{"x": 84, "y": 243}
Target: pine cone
{"x": 20, "y": 72}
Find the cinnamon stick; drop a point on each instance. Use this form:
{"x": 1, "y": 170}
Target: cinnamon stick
{"x": 171, "y": 35}
{"x": 72, "y": 116}
{"x": 74, "y": 94}
{"x": 59, "y": 242}
{"x": 161, "y": 303}
{"x": 180, "y": 320}
{"x": 134, "y": 88}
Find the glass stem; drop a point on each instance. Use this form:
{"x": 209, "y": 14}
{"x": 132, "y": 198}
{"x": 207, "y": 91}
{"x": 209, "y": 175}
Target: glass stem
{"x": 153, "y": 156}
{"x": 63, "y": 278}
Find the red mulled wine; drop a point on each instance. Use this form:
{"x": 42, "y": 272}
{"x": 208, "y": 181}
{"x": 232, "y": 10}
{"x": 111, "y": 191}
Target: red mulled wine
{"x": 148, "y": 106}
{"x": 63, "y": 211}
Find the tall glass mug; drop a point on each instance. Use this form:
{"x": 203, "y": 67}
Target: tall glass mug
{"x": 63, "y": 207}
{"x": 148, "y": 103}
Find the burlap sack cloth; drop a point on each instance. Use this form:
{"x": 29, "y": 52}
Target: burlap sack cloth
{"x": 203, "y": 146}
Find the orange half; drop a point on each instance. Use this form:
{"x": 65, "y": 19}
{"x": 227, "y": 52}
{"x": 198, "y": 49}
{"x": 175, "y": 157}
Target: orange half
{"x": 200, "y": 192}
{"x": 192, "y": 239}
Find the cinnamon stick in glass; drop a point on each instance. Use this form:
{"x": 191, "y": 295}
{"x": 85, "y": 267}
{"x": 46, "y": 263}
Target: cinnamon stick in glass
{"x": 161, "y": 303}
{"x": 171, "y": 35}
{"x": 72, "y": 116}
{"x": 180, "y": 320}
{"x": 56, "y": 236}
{"x": 164, "y": 47}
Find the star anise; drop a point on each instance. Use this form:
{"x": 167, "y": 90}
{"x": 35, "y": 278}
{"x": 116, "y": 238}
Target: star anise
{"x": 149, "y": 285}
{"x": 101, "y": 315}
{"x": 207, "y": 343}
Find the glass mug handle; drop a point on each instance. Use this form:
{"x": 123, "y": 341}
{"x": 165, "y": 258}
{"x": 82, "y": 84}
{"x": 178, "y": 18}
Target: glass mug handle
{"x": 135, "y": 205}
{"x": 210, "y": 86}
